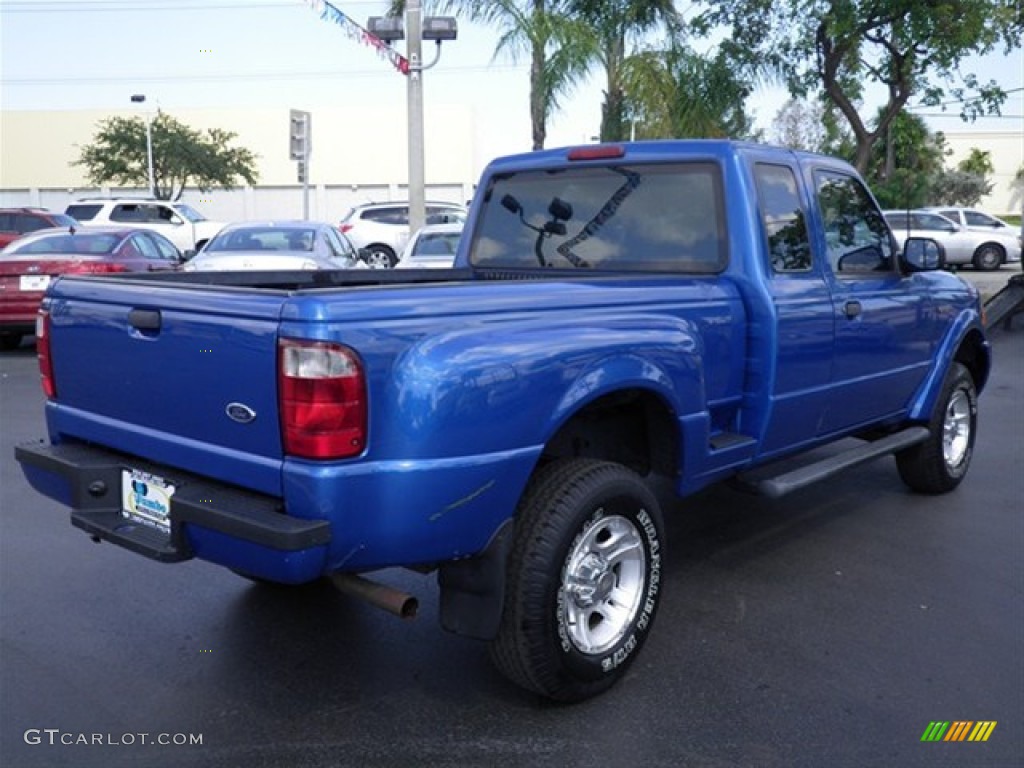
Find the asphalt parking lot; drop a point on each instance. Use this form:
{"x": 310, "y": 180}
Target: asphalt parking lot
{"x": 828, "y": 628}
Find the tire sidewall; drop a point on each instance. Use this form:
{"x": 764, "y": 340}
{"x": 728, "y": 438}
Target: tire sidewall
{"x": 380, "y": 257}
{"x": 643, "y": 514}
{"x": 987, "y": 252}
{"x": 961, "y": 382}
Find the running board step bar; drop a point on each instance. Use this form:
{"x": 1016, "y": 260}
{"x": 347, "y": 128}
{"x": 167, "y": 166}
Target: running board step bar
{"x": 793, "y": 480}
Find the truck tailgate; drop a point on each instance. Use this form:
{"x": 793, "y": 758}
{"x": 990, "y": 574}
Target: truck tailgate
{"x": 185, "y": 377}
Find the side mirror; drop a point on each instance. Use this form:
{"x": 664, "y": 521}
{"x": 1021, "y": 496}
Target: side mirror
{"x": 922, "y": 254}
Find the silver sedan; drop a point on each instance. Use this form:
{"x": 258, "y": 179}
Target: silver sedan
{"x": 984, "y": 250}
{"x": 276, "y": 245}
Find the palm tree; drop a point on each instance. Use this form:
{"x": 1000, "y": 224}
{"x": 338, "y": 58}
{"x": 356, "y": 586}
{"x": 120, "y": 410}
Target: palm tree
{"x": 677, "y": 93}
{"x": 611, "y": 26}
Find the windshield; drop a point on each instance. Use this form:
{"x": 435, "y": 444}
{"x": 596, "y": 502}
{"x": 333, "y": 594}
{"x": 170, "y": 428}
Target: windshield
{"x": 437, "y": 244}
{"x": 656, "y": 218}
{"x": 189, "y": 212}
{"x": 262, "y": 239}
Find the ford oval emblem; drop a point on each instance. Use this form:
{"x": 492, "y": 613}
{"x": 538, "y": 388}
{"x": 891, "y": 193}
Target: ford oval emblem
{"x": 240, "y": 412}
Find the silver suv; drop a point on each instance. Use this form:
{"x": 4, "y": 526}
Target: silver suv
{"x": 381, "y": 230}
{"x": 180, "y": 223}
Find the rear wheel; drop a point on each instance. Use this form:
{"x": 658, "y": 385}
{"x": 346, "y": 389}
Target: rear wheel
{"x": 583, "y": 582}
{"x": 380, "y": 257}
{"x": 939, "y": 463}
{"x": 988, "y": 257}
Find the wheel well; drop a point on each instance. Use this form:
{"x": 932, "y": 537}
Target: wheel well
{"x": 380, "y": 247}
{"x": 632, "y": 427}
{"x": 973, "y": 355}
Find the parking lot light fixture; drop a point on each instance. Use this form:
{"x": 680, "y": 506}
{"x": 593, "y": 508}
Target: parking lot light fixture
{"x": 140, "y": 98}
{"x": 415, "y": 30}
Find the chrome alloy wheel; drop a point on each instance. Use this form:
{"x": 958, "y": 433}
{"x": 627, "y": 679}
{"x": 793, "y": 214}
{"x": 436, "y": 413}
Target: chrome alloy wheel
{"x": 956, "y": 429}
{"x": 603, "y": 584}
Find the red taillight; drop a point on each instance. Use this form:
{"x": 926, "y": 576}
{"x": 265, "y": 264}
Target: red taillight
{"x": 345, "y": 228}
{"x": 322, "y": 393}
{"x": 43, "y": 354}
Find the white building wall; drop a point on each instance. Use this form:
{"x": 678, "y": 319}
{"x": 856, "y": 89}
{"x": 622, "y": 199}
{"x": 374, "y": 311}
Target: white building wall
{"x": 355, "y": 158}
{"x": 1006, "y": 149}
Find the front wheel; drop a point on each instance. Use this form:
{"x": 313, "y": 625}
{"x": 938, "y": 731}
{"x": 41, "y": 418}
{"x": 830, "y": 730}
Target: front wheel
{"x": 583, "y": 582}
{"x": 938, "y": 464}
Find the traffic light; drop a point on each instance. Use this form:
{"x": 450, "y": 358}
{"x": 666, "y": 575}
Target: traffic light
{"x": 298, "y": 135}
{"x": 302, "y": 172}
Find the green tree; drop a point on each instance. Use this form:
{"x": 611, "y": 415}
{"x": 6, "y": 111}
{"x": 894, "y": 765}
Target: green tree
{"x": 903, "y": 170}
{"x": 611, "y": 27}
{"x": 678, "y": 93}
{"x": 959, "y": 187}
{"x": 908, "y": 47}
{"x": 182, "y": 157}
{"x": 978, "y": 162}
{"x": 799, "y": 124}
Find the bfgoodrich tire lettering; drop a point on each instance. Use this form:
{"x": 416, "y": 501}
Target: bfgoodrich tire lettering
{"x": 584, "y": 579}
{"x": 939, "y": 463}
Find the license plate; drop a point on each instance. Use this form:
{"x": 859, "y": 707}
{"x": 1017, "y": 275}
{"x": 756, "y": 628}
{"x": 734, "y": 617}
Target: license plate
{"x": 146, "y": 499}
{"x": 34, "y": 282}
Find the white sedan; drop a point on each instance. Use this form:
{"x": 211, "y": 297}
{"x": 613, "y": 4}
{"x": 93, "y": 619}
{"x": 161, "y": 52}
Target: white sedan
{"x": 276, "y": 245}
{"x": 432, "y": 247}
{"x": 983, "y": 250}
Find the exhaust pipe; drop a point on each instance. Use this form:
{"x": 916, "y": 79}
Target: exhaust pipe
{"x": 381, "y": 595}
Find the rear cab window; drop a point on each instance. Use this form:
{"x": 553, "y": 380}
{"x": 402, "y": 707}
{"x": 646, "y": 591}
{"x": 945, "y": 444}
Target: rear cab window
{"x": 83, "y": 211}
{"x": 629, "y": 217}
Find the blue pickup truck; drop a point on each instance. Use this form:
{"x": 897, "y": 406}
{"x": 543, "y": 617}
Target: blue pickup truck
{"x": 618, "y": 314}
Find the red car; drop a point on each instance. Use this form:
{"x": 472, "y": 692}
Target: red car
{"x": 15, "y": 222}
{"x": 29, "y": 263}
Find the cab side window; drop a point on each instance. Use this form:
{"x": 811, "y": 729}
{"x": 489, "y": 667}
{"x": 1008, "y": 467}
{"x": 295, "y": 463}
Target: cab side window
{"x": 856, "y": 235}
{"x": 128, "y": 213}
{"x": 783, "y": 218}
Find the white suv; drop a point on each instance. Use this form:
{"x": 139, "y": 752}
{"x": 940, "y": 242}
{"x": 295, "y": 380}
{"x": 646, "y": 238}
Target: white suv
{"x": 180, "y": 223}
{"x": 381, "y": 230}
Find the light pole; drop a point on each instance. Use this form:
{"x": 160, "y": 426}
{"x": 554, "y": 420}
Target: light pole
{"x": 140, "y": 98}
{"x": 418, "y": 29}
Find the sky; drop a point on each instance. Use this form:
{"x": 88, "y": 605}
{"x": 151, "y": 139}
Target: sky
{"x": 194, "y": 54}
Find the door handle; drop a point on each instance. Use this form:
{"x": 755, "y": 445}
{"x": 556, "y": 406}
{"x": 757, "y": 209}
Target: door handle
{"x": 852, "y": 308}
{"x": 145, "y": 319}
